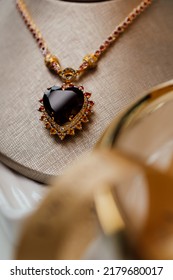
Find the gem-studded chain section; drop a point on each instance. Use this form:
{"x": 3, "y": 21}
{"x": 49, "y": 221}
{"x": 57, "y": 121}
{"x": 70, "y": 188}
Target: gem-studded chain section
{"x": 89, "y": 61}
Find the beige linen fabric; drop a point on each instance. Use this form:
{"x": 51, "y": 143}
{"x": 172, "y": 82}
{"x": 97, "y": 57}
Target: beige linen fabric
{"x": 140, "y": 59}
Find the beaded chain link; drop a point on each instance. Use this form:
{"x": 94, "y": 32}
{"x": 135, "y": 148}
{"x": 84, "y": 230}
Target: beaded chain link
{"x": 90, "y": 60}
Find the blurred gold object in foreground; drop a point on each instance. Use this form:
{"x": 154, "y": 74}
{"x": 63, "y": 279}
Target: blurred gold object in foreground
{"x": 114, "y": 182}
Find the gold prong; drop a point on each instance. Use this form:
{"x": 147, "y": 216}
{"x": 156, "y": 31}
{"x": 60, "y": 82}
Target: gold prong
{"x": 47, "y": 125}
{"x": 84, "y": 119}
{"x": 71, "y": 132}
{"x": 53, "y": 131}
{"x": 79, "y": 126}
{"x": 62, "y": 136}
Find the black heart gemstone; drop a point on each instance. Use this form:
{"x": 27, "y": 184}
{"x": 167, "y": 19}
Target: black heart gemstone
{"x": 61, "y": 104}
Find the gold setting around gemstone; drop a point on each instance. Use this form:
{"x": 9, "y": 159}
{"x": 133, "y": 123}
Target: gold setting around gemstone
{"x": 75, "y": 122}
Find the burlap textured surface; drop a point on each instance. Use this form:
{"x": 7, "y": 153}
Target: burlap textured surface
{"x": 140, "y": 59}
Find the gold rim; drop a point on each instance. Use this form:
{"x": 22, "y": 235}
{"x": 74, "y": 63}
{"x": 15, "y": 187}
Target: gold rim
{"x": 112, "y": 133}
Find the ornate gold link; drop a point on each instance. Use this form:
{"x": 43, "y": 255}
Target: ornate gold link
{"x": 91, "y": 59}
{"x": 50, "y": 60}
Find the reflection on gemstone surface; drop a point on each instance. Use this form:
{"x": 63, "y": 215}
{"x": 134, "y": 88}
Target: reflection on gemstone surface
{"x": 62, "y": 104}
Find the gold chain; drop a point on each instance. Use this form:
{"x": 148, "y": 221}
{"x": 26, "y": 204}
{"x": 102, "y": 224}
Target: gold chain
{"x": 90, "y": 60}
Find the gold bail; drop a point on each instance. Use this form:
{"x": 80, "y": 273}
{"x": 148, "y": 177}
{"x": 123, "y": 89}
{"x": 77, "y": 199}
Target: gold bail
{"x": 68, "y": 75}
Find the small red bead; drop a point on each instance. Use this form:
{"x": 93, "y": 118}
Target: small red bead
{"x": 120, "y": 29}
{"x": 116, "y": 33}
{"x": 88, "y": 112}
{"x": 41, "y": 109}
{"x": 102, "y": 47}
{"x": 110, "y": 38}
{"x": 84, "y": 65}
{"x": 106, "y": 43}
{"x": 81, "y": 67}
{"x": 91, "y": 103}
{"x": 40, "y": 44}
{"x": 42, "y": 118}
{"x": 98, "y": 53}
{"x": 81, "y": 88}
{"x": 88, "y": 94}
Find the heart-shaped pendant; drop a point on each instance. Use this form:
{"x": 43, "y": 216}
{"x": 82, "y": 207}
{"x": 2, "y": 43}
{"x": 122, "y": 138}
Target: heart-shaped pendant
{"x": 65, "y": 108}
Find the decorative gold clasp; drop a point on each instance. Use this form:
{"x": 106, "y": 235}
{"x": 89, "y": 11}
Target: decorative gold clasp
{"x": 91, "y": 59}
{"x": 51, "y": 60}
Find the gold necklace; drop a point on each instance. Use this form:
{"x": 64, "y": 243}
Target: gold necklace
{"x": 64, "y": 108}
